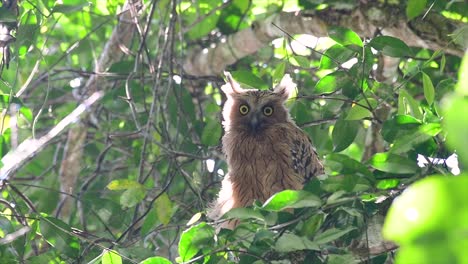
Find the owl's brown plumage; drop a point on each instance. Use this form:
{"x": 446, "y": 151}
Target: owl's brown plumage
{"x": 265, "y": 151}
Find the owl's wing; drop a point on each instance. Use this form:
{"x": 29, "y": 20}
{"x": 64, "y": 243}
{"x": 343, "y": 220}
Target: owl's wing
{"x": 305, "y": 160}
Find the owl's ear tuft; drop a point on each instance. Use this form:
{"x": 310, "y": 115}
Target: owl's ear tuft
{"x": 231, "y": 87}
{"x": 285, "y": 88}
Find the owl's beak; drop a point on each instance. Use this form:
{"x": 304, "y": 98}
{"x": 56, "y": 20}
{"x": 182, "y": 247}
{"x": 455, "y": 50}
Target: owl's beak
{"x": 254, "y": 123}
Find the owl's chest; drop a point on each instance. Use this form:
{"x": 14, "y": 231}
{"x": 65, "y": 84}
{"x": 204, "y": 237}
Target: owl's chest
{"x": 260, "y": 166}
{"x": 259, "y": 150}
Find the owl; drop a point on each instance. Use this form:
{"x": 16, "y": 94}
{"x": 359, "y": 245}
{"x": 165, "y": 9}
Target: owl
{"x": 265, "y": 151}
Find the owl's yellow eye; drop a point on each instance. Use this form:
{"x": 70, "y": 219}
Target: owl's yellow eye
{"x": 244, "y": 109}
{"x": 268, "y": 110}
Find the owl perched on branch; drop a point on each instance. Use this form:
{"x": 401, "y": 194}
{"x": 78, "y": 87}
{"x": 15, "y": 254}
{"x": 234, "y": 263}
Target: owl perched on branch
{"x": 265, "y": 151}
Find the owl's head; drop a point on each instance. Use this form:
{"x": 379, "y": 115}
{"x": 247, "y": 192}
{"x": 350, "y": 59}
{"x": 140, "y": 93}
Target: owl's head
{"x": 253, "y": 110}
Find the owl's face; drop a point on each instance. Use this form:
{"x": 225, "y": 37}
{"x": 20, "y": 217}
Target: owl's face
{"x": 252, "y": 110}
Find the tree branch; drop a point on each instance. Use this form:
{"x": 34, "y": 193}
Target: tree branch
{"x": 115, "y": 47}
{"x": 365, "y": 21}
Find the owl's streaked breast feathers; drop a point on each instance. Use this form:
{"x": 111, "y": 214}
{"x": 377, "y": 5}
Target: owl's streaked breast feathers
{"x": 265, "y": 151}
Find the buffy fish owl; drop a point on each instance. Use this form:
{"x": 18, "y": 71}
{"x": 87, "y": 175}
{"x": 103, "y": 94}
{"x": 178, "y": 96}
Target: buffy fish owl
{"x": 265, "y": 151}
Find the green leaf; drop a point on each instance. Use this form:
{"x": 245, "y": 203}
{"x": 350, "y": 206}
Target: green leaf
{"x": 194, "y": 239}
{"x": 429, "y": 92}
{"x": 312, "y": 224}
{"x": 123, "y": 184}
{"x": 332, "y": 82}
{"x": 357, "y": 112}
{"x": 418, "y": 212}
{"x": 288, "y": 242}
{"x": 388, "y": 184}
{"x": 244, "y": 213}
{"x": 456, "y": 124}
{"x": 414, "y": 8}
{"x": 200, "y": 18}
{"x": 132, "y": 197}
{"x": 462, "y": 85}
{"x": 156, "y": 260}
{"x": 422, "y": 134}
{"x": 65, "y": 9}
{"x": 331, "y": 234}
{"x": 26, "y": 112}
{"x": 59, "y": 235}
{"x": 3, "y": 146}
{"x": 150, "y": 221}
{"x": 345, "y": 165}
{"x": 408, "y": 106}
{"x": 301, "y": 61}
{"x": 111, "y": 257}
{"x": 249, "y": 79}
{"x": 164, "y": 208}
{"x": 390, "y": 46}
{"x": 7, "y": 15}
{"x": 291, "y": 199}
{"x": 279, "y": 72}
{"x": 406, "y": 119}
{"x": 345, "y": 36}
{"x": 211, "y": 133}
{"x": 335, "y": 55}
{"x": 393, "y": 163}
{"x": 122, "y": 67}
{"x": 344, "y": 133}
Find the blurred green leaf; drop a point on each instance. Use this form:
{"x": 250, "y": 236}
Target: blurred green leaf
{"x": 420, "y": 213}
{"x": 132, "y": 197}
{"x": 123, "y": 184}
{"x": 279, "y": 72}
{"x": 312, "y": 224}
{"x": 344, "y": 133}
{"x": 301, "y": 61}
{"x": 65, "y": 9}
{"x": 7, "y": 15}
{"x": 291, "y": 199}
{"x": 462, "y": 85}
{"x": 393, "y": 163}
{"x": 387, "y": 184}
{"x": 194, "y": 239}
{"x": 156, "y": 260}
{"x": 249, "y": 79}
{"x": 422, "y": 134}
{"x": 332, "y": 82}
{"x": 110, "y": 257}
{"x": 408, "y": 106}
{"x": 335, "y": 56}
{"x": 211, "y": 133}
{"x": 414, "y": 8}
{"x": 358, "y": 112}
{"x": 150, "y": 221}
{"x": 406, "y": 119}
{"x": 200, "y": 18}
{"x": 456, "y": 121}
{"x": 59, "y": 235}
{"x": 288, "y": 242}
{"x": 344, "y": 36}
{"x": 27, "y": 113}
{"x": 456, "y": 124}
{"x": 164, "y": 208}
{"x": 390, "y": 46}
{"x": 429, "y": 92}
{"x": 244, "y": 213}
{"x": 345, "y": 165}
{"x": 331, "y": 234}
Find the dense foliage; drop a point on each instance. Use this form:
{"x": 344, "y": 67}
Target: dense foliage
{"x": 151, "y": 159}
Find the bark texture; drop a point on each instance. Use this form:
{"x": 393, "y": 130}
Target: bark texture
{"x": 430, "y": 32}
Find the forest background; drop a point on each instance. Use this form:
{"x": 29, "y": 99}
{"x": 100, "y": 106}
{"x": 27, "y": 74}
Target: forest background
{"x": 111, "y": 127}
